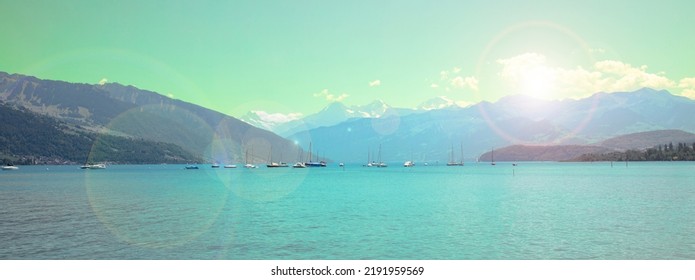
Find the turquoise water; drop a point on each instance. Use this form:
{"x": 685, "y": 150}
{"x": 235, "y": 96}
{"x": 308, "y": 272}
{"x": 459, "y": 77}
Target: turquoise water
{"x": 532, "y": 211}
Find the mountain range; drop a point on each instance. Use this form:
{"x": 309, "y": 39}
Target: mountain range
{"x": 337, "y": 112}
{"x": 333, "y": 114}
{"x": 126, "y": 111}
{"x": 353, "y": 133}
{"x": 513, "y": 120}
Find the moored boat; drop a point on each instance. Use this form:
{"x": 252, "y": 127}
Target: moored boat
{"x": 10, "y": 167}
{"x": 273, "y": 164}
{"x": 452, "y": 162}
{"x": 380, "y": 163}
{"x": 492, "y": 157}
{"x": 249, "y": 164}
{"x": 93, "y": 166}
{"x": 276, "y": 164}
{"x": 316, "y": 163}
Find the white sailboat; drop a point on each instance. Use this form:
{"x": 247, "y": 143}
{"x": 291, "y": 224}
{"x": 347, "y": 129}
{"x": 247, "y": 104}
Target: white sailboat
{"x": 93, "y": 166}
{"x": 273, "y": 164}
{"x": 299, "y": 163}
{"x": 369, "y": 159}
{"x": 409, "y": 163}
{"x": 248, "y": 164}
{"x": 452, "y": 162}
{"x": 379, "y": 162}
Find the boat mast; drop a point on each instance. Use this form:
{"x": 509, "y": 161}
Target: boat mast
{"x": 270, "y": 156}
{"x": 379, "y": 160}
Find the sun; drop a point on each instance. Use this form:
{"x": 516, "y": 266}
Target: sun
{"x": 529, "y": 74}
{"x": 537, "y": 81}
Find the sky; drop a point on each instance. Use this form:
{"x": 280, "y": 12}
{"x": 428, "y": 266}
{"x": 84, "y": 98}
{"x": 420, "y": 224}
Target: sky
{"x": 291, "y": 58}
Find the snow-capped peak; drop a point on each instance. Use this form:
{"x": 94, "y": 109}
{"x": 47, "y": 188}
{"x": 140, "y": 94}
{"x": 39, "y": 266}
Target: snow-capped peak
{"x": 438, "y": 102}
{"x": 268, "y": 121}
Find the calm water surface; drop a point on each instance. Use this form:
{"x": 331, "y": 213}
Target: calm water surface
{"x": 532, "y": 211}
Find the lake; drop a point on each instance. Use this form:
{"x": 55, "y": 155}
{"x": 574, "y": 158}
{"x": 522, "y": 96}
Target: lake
{"x": 645, "y": 210}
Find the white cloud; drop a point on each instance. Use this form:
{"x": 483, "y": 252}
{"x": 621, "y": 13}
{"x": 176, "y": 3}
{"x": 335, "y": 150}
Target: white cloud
{"x": 330, "y": 96}
{"x": 515, "y": 68}
{"x": 170, "y": 95}
{"x": 467, "y": 82}
{"x": 687, "y": 83}
{"x": 688, "y": 87}
{"x": 277, "y": 118}
{"x": 375, "y": 83}
{"x": 689, "y": 93}
{"x": 103, "y": 81}
{"x": 621, "y": 76}
{"x": 450, "y": 81}
{"x": 529, "y": 73}
{"x": 444, "y": 75}
{"x": 578, "y": 82}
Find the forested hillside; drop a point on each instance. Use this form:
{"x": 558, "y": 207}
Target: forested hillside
{"x": 29, "y": 138}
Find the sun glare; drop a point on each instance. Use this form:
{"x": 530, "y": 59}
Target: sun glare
{"x": 537, "y": 82}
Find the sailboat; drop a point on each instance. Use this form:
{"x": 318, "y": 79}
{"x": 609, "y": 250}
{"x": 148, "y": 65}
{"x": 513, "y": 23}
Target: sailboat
{"x": 492, "y": 157}
{"x": 93, "y": 166}
{"x": 248, "y": 165}
{"x": 369, "y": 160}
{"x": 316, "y": 163}
{"x": 299, "y": 163}
{"x": 88, "y": 165}
{"x": 274, "y": 164}
{"x": 379, "y": 162}
{"x": 409, "y": 163}
{"x": 451, "y": 159}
